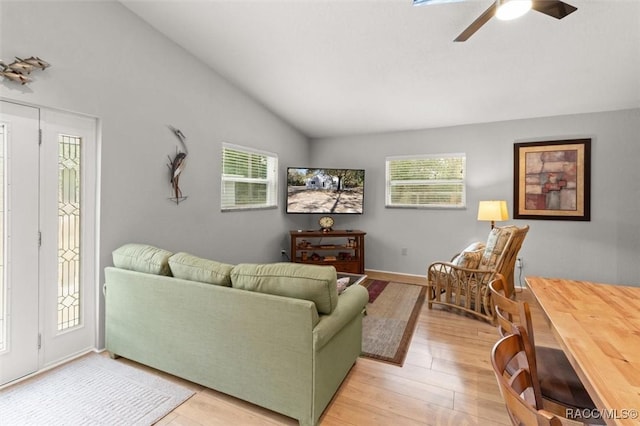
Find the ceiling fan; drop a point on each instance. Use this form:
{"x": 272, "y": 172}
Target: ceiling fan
{"x": 509, "y": 9}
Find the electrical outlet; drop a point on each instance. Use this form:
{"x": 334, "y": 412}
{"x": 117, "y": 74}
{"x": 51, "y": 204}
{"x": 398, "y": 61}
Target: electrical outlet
{"x": 283, "y": 252}
{"x": 519, "y": 263}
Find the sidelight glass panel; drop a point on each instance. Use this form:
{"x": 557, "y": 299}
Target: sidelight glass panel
{"x": 68, "y": 231}
{"x": 3, "y": 289}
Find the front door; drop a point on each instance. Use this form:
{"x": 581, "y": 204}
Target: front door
{"x": 19, "y": 314}
{"x": 47, "y": 279}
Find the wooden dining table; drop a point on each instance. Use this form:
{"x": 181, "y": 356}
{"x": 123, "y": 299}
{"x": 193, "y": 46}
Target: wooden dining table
{"x": 598, "y": 327}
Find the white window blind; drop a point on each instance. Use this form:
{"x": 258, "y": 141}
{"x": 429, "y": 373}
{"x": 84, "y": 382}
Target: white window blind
{"x": 249, "y": 178}
{"x": 436, "y": 181}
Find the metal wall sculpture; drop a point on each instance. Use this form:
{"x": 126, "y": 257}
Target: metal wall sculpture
{"x": 177, "y": 165}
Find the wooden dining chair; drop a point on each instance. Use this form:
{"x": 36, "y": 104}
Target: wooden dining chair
{"x": 560, "y": 386}
{"x": 520, "y": 388}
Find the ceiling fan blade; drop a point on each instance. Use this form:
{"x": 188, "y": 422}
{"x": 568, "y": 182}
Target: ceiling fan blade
{"x": 417, "y": 2}
{"x": 554, "y": 8}
{"x": 479, "y": 22}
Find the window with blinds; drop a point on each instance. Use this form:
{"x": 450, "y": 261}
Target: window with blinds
{"x": 426, "y": 181}
{"x": 249, "y": 178}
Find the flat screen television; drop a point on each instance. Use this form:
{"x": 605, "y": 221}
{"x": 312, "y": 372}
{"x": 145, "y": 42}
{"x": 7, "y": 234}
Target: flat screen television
{"x": 325, "y": 191}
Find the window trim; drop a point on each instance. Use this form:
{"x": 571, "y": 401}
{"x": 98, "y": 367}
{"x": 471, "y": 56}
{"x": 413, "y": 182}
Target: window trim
{"x": 389, "y": 184}
{"x": 271, "y": 181}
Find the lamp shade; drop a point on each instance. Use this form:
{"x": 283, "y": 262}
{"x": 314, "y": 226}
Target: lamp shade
{"x": 493, "y": 210}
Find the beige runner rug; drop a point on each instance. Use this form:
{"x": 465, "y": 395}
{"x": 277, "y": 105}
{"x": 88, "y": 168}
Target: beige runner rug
{"x": 392, "y": 313}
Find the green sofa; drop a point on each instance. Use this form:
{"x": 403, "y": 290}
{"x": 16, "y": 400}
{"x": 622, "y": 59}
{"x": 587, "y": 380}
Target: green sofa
{"x": 276, "y": 335}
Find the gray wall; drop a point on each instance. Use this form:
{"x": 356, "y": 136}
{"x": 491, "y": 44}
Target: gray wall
{"x": 606, "y": 249}
{"x": 108, "y": 63}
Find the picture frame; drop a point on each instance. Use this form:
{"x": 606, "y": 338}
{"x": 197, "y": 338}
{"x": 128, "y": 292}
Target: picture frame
{"x": 552, "y": 180}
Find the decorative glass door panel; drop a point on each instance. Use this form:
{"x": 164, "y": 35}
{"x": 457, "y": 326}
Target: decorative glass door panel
{"x": 69, "y": 159}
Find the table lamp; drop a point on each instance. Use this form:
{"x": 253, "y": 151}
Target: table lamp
{"x": 493, "y": 211}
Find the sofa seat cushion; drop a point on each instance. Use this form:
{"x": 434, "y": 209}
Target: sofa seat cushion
{"x": 142, "y": 258}
{"x": 308, "y": 282}
{"x": 189, "y": 267}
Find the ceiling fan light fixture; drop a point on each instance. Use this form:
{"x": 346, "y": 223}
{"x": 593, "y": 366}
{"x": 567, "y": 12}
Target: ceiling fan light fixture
{"x": 512, "y": 9}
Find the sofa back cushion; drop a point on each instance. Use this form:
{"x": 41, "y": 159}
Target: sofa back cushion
{"x": 189, "y": 267}
{"x": 308, "y": 282}
{"x": 142, "y": 258}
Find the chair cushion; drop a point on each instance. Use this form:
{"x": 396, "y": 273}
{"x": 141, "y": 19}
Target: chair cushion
{"x": 193, "y": 268}
{"x": 142, "y": 258}
{"x": 470, "y": 257}
{"x": 498, "y": 238}
{"x": 315, "y": 283}
{"x": 559, "y": 381}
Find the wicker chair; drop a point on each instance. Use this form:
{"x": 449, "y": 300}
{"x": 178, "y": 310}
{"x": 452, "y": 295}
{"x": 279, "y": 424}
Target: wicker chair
{"x": 463, "y": 283}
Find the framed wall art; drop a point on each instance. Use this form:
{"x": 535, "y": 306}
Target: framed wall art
{"x": 552, "y": 180}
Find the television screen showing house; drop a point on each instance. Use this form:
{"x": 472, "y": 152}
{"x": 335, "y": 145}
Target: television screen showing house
{"x": 327, "y": 191}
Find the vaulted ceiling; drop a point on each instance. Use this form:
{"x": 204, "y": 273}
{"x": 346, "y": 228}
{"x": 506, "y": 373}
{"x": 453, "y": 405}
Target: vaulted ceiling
{"x": 340, "y": 67}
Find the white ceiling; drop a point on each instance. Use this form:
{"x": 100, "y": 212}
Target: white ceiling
{"x": 340, "y": 67}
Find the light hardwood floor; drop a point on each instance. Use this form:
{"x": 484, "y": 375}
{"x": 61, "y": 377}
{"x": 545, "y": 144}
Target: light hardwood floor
{"x": 446, "y": 380}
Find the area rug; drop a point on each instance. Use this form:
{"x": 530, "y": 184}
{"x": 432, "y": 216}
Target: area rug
{"x": 392, "y": 313}
{"x": 92, "y": 390}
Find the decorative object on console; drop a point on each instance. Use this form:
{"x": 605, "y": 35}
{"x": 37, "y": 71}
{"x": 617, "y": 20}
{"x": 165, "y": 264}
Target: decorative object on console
{"x": 177, "y": 165}
{"x": 19, "y": 69}
{"x": 493, "y": 211}
{"x": 343, "y": 255}
{"x": 304, "y": 244}
{"x": 326, "y": 223}
{"x": 552, "y": 180}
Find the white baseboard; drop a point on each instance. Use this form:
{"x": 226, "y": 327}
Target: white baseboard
{"x": 395, "y": 276}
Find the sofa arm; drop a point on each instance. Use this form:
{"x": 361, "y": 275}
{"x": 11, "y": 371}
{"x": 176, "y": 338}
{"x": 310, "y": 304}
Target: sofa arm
{"x": 350, "y": 304}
